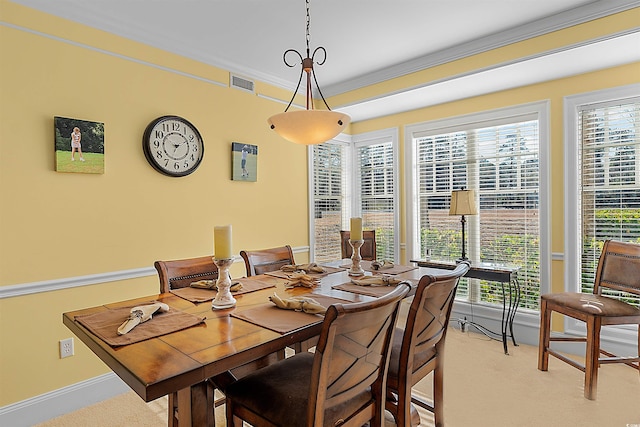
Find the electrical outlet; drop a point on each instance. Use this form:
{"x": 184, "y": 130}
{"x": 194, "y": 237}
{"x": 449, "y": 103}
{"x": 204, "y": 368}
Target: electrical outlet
{"x": 66, "y": 348}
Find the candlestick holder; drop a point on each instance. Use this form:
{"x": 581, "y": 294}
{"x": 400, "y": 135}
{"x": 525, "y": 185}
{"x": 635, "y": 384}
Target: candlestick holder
{"x": 223, "y": 299}
{"x": 356, "y": 269}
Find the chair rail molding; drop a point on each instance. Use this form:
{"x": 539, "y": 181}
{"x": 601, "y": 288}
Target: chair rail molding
{"x": 10, "y": 291}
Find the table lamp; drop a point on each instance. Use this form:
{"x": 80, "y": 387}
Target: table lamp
{"x": 463, "y": 202}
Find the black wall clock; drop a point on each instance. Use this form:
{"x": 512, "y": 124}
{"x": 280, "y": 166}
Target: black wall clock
{"x": 173, "y": 146}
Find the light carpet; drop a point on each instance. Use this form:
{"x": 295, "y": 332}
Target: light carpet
{"x": 483, "y": 387}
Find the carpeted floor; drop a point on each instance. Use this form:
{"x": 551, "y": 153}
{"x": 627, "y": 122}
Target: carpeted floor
{"x": 483, "y": 388}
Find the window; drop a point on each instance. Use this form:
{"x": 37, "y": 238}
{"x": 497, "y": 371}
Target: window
{"x": 329, "y": 166}
{"x": 368, "y": 189}
{"x": 497, "y": 154}
{"x": 604, "y": 192}
{"x": 376, "y": 189}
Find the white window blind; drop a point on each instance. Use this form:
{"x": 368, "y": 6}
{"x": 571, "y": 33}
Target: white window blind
{"x": 609, "y": 164}
{"x": 329, "y": 167}
{"x": 376, "y": 188}
{"x": 499, "y": 159}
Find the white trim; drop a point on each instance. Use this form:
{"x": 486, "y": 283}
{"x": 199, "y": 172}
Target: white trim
{"x": 526, "y": 327}
{"x": 572, "y": 228}
{"x": 22, "y": 289}
{"x": 571, "y": 148}
{"x": 559, "y": 21}
{"x": 612, "y": 50}
{"x": 10, "y": 291}
{"x": 341, "y": 139}
{"x": 378, "y": 137}
{"x": 117, "y": 55}
{"x": 46, "y": 406}
{"x": 541, "y": 110}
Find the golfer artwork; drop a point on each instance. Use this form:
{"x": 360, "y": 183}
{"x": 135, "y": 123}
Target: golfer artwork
{"x": 244, "y": 159}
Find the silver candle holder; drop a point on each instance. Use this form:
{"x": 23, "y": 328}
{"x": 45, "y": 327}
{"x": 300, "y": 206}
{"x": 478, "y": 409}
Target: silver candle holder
{"x": 223, "y": 299}
{"x": 356, "y": 269}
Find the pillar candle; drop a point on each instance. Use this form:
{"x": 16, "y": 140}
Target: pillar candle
{"x": 356, "y": 229}
{"x": 222, "y": 241}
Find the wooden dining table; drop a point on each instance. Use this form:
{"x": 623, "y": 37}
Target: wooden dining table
{"x": 221, "y": 340}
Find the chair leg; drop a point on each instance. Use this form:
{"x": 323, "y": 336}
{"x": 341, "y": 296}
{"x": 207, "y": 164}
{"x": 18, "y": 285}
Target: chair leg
{"x": 438, "y": 394}
{"x": 545, "y": 334}
{"x": 592, "y": 359}
{"x": 172, "y": 420}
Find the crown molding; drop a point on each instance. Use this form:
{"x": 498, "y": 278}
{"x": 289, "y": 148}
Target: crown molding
{"x": 566, "y": 19}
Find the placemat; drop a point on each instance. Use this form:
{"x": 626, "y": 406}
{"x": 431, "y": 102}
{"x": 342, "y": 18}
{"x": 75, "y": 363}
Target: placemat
{"x": 202, "y": 295}
{"x": 396, "y": 269}
{"x": 285, "y": 274}
{"x": 105, "y": 324}
{"x": 372, "y": 291}
{"x": 282, "y": 321}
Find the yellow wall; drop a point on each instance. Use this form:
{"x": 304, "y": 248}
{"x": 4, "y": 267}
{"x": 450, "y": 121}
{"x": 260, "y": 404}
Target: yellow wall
{"x": 56, "y": 226}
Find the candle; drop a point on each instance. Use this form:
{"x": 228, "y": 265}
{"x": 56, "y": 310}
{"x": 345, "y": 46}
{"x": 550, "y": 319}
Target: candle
{"x": 356, "y": 228}
{"x": 222, "y": 241}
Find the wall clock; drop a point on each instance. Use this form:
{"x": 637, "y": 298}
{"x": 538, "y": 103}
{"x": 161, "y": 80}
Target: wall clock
{"x": 173, "y": 146}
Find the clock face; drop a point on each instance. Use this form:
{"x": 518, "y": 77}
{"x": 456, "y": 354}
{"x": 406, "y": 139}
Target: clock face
{"x": 173, "y": 146}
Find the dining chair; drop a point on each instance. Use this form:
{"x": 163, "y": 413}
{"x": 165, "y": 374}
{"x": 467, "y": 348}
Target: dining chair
{"x": 368, "y": 248}
{"x": 180, "y": 273}
{"x": 341, "y": 383}
{"x": 418, "y": 348}
{"x": 617, "y": 277}
{"x": 272, "y": 259}
{"x": 175, "y": 274}
{"x": 265, "y": 260}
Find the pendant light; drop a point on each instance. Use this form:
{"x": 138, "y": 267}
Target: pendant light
{"x": 308, "y": 126}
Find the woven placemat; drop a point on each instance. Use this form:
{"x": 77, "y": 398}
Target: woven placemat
{"x": 106, "y": 323}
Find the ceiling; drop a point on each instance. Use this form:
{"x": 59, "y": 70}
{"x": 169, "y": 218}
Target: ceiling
{"x": 367, "y": 41}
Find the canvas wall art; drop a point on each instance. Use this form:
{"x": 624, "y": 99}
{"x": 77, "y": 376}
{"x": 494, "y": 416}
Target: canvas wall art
{"x": 79, "y": 145}
{"x": 244, "y": 158}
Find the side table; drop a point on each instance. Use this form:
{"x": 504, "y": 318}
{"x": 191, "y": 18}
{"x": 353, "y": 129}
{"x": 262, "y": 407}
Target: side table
{"x": 495, "y": 273}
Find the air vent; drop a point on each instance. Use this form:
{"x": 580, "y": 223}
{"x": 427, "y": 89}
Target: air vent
{"x": 242, "y": 83}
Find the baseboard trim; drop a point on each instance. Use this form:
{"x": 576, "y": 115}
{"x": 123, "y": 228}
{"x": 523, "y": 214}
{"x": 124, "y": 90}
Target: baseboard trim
{"x": 526, "y": 327}
{"x": 62, "y": 401}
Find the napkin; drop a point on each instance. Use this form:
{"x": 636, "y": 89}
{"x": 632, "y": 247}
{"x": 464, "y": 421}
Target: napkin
{"x": 382, "y": 264}
{"x": 140, "y": 314}
{"x": 377, "y": 281}
{"x": 301, "y": 280}
{"x": 304, "y": 304}
{"x": 211, "y": 284}
{"x": 307, "y": 268}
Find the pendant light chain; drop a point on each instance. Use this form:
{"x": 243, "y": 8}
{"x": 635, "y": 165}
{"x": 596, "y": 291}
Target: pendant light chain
{"x": 308, "y": 36}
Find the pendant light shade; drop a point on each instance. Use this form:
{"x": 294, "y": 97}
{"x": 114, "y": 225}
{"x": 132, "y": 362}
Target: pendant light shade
{"x": 308, "y": 126}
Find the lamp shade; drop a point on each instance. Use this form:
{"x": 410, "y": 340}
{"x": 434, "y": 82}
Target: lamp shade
{"x": 309, "y": 127}
{"x": 463, "y": 202}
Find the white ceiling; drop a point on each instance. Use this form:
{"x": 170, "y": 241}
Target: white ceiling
{"x": 367, "y": 41}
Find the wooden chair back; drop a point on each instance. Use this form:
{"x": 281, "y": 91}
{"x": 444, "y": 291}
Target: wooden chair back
{"x": 265, "y": 260}
{"x": 352, "y": 355}
{"x": 368, "y": 248}
{"x": 180, "y": 273}
{"x": 419, "y": 348}
{"x": 618, "y": 268}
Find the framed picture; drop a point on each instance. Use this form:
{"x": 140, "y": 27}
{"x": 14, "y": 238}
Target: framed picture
{"x": 79, "y": 145}
{"x": 244, "y": 162}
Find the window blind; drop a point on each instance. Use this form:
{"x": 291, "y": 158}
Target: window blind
{"x": 375, "y": 172}
{"x": 329, "y": 199}
{"x": 609, "y": 159}
{"x": 499, "y": 160}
